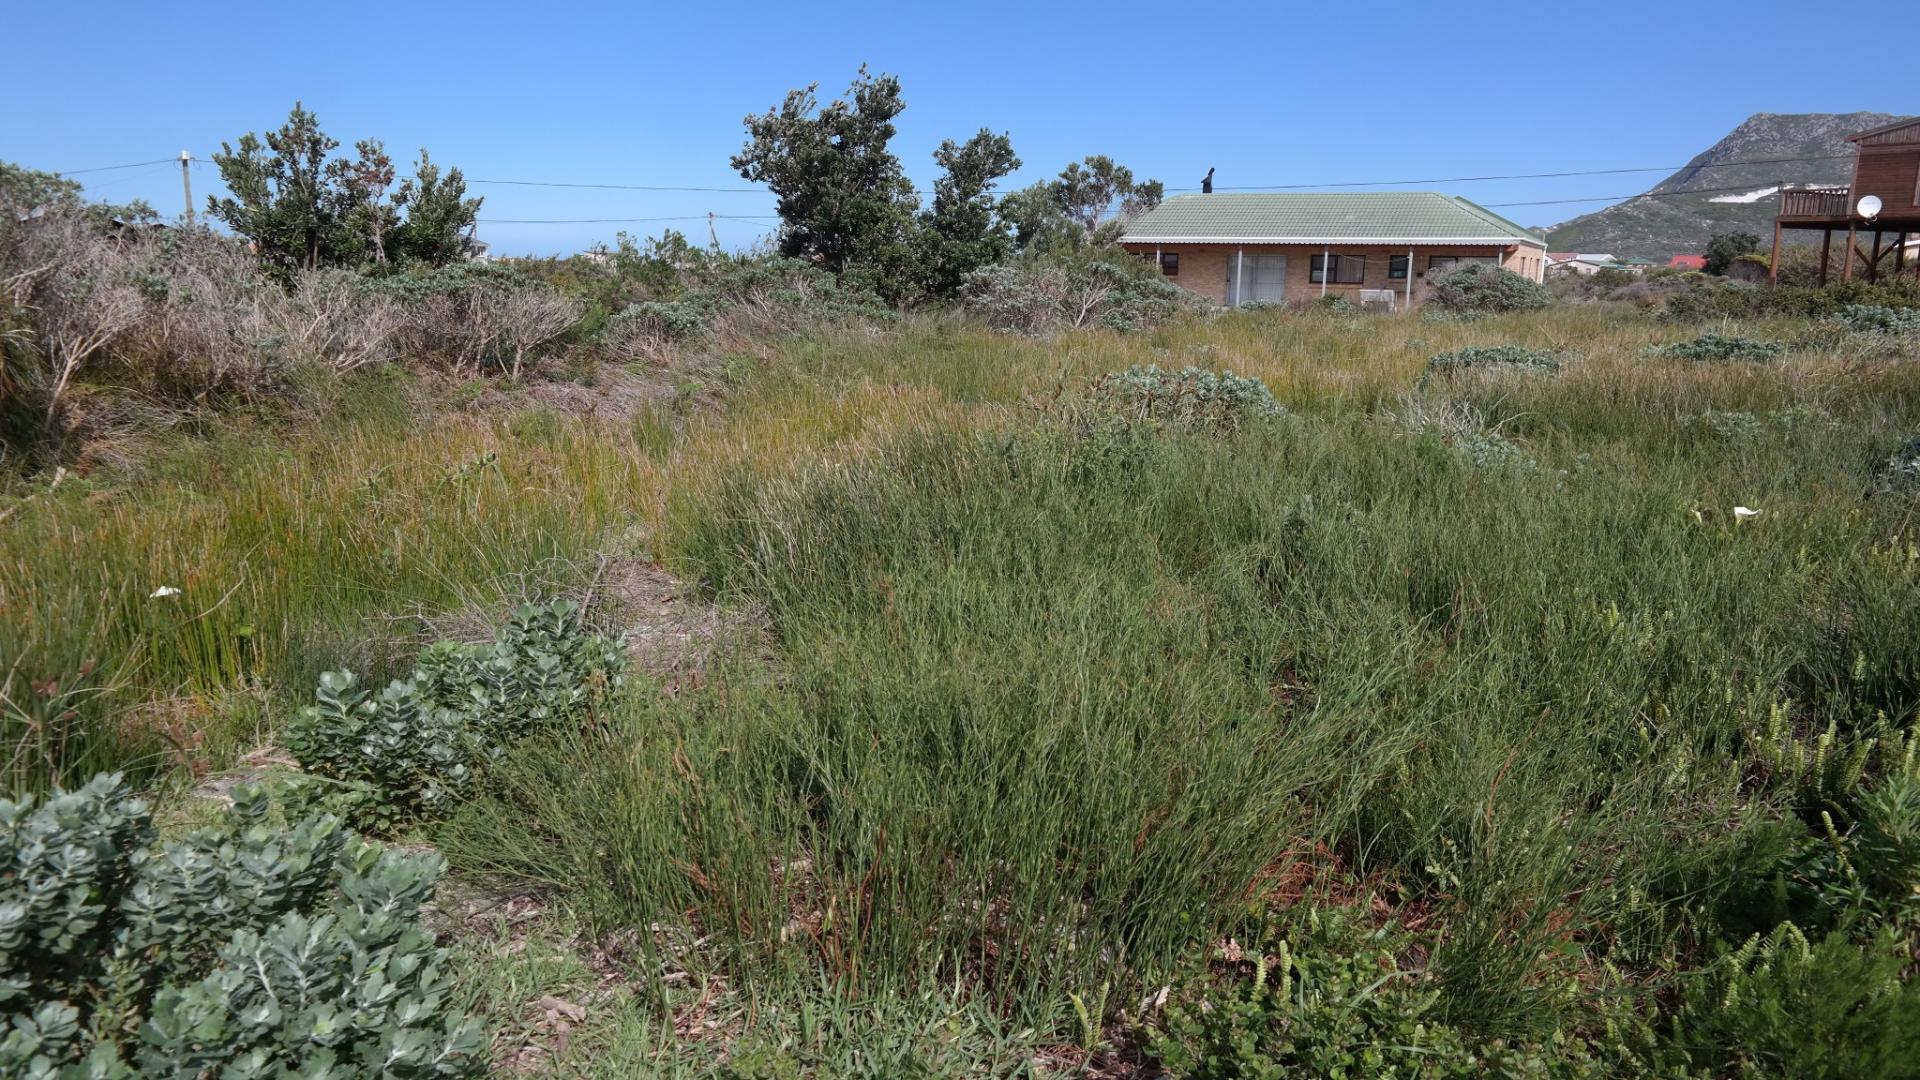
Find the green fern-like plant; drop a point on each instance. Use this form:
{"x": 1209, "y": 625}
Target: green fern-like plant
{"x": 1783, "y": 1005}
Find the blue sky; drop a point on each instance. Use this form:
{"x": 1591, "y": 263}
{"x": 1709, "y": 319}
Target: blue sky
{"x": 624, "y": 93}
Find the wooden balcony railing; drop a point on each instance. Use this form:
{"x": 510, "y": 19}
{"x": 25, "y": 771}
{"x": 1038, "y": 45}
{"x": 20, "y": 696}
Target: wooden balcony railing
{"x": 1814, "y": 202}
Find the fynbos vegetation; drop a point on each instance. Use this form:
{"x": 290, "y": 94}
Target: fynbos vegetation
{"x": 1040, "y": 673}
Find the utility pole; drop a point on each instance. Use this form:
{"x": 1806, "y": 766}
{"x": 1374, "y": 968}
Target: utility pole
{"x": 186, "y": 183}
{"x": 712, "y": 236}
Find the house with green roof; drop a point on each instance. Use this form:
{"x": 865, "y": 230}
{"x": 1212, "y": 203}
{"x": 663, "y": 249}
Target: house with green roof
{"x": 1295, "y": 247}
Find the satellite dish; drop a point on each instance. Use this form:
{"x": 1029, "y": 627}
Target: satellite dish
{"x": 1869, "y": 207}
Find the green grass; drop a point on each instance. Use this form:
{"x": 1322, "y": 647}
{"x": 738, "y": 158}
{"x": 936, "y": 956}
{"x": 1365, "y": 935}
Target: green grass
{"x": 282, "y": 550}
{"x": 1055, "y": 710}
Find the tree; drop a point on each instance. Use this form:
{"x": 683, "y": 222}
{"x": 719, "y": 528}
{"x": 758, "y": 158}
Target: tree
{"x": 25, "y": 190}
{"x": 1089, "y": 190}
{"x": 844, "y": 201}
{"x": 304, "y": 209}
{"x": 963, "y": 232}
{"x": 440, "y": 218}
{"x": 1090, "y": 202}
{"x": 1726, "y": 247}
{"x": 282, "y": 198}
{"x": 363, "y": 183}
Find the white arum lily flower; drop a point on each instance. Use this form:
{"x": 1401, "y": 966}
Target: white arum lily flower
{"x": 162, "y": 592}
{"x": 1744, "y": 512}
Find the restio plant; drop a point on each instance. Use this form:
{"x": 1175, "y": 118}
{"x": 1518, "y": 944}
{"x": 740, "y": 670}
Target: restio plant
{"x": 415, "y": 748}
{"x": 250, "y": 949}
{"x": 1191, "y": 398}
{"x": 1483, "y": 287}
{"x": 1715, "y": 346}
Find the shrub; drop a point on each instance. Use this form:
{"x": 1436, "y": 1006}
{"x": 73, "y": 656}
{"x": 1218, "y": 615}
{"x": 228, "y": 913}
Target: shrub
{"x": 1900, "y": 473}
{"x": 1879, "y": 319}
{"x": 474, "y": 316}
{"x": 644, "y": 331}
{"x": 1191, "y": 398}
{"x": 1076, "y": 290}
{"x": 1459, "y": 426}
{"x": 1714, "y": 346}
{"x": 249, "y": 949}
{"x": 73, "y": 282}
{"x": 1483, "y": 287}
{"x": 1516, "y": 358}
{"x": 416, "y": 748}
{"x": 1728, "y": 299}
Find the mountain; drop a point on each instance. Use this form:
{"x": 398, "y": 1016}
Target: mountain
{"x": 1682, "y": 212}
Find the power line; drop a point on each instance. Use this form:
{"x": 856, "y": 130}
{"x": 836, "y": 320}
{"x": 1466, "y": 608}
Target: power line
{"x": 609, "y": 221}
{"x": 1528, "y": 176}
{"x": 202, "y": 162}
{"x": 1638, "y": 195}
{"x": 1243, "y": 187}
{"x": 623, "y": 187}
{"x": 197, "y": 160}
{"x": 110, "y": 168}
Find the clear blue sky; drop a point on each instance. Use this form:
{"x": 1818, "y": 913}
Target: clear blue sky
{"x": 654, "y": 94}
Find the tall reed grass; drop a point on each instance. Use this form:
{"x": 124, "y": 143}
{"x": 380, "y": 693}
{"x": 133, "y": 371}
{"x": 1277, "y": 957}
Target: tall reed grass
{"x": 1053, "y": 709}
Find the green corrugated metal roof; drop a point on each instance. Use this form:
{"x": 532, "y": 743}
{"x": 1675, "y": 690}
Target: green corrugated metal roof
{"x": 1323, "y": 216}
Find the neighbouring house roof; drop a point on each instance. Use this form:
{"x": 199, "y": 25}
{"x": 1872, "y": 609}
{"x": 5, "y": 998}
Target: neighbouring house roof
{"x": 1354, "y": 217}
{"x": 1562, "y": 256}
{"x": 1884, "y": 129}
{"x": 1688, "y": 262}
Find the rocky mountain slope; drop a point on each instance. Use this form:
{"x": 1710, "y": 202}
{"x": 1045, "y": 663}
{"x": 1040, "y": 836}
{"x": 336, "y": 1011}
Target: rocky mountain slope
{"x": 1683, "y": 211}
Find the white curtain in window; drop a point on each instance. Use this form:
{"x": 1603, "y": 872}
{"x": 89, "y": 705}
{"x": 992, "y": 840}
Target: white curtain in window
{"x": 1266, "y": 278}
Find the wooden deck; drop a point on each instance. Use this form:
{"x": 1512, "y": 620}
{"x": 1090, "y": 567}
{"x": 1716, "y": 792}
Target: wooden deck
{"x": 1815, "y": 203}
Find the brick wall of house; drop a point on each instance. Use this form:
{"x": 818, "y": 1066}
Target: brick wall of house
{"x": 1204, "y": 267}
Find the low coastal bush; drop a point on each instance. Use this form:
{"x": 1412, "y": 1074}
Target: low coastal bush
{"x": 1075, "y": 290}
{"x": 1493, "y": 358}
{"x": 1485, "y": 288}
{"x": 1879, "y": 319}
{"x": 1191, "y": 398}
{"x": 414, "y": 749}
{"x": 1713, "y": 346}
{"x": 248, "y": 949}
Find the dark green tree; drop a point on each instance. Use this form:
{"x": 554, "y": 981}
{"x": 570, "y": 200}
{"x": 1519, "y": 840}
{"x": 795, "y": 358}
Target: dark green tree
{"x": 844, "y": 201}
{"x": 963, "y": 230}
{"x": 363, "y": 182}
{"x": 304, "y": 209}
{"x": 1726, "y": 247}
{"x": 282, "y": 198}
{"x": 440, "y": 218}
